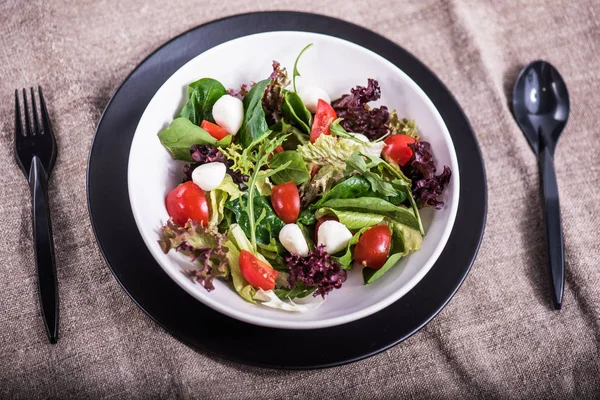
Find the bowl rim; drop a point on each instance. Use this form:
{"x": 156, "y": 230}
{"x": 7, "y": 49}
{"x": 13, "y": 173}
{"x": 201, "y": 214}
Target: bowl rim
{"x": 225, "y": 309}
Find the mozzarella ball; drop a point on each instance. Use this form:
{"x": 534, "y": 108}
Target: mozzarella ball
{"x": 293, "y": 240}
{"x": 360, "y": 137}
{"x": 310, "y": 97}
{"x": 334, "y": 236}
{"x": 228, "y": 113}
{"x": 209, "y": 176}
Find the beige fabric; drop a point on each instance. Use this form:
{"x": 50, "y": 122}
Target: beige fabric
{"x": 497, "y": 338}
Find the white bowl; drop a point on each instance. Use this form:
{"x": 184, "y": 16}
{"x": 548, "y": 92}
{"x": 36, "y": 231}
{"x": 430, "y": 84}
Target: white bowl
{"x": 336, "y": 66}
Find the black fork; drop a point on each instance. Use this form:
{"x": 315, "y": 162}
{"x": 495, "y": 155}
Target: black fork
{"x": 35, "y": 151}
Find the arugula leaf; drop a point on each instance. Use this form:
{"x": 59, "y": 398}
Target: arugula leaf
{"x": 267, "y": 223}
{"x": 306, "y": 218}
{"x": 294, "y": 109}
{"x": 297, "y": 292}
{"x": 203, "y": 94}
{"x": 404, "y": 241}
{"x": 296, "y": 73}
{"x": 296, "y": 170}
{"x": 182, "y": 134}
{"x": 254, "y": 126}
{"x": 374, "y": 205}
{"x": 346, "y": 259}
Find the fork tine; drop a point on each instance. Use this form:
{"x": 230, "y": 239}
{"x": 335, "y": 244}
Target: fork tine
{"x": 36, "y": 122}
{"x": 26, "y": 111}
{"x": 18, "y": 123}
{"x": 47, "y": 128}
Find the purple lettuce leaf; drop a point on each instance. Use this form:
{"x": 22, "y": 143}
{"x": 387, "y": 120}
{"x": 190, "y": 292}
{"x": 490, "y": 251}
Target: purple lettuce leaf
{"x": 204, "y": 247}
{"x": 319, "y": 269}
{"x": 274, "y": 95}
{"x": 358, "y": 116}
{"x": 426, "y": 186}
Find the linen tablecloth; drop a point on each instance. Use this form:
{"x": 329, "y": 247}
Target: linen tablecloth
{"x": 498, "y": 337}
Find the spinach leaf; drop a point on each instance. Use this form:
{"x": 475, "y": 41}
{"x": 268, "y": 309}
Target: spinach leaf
{"x": 254, "y": 125}
{"x": 296, "y": 137}
{"x": 268, "y": 224}
{"x": 182, "y": 134}
{"x": 306, "y": 218}
{"x": 296, "y": 170}
{"x": 296, "y": 73}
{"x": 297, "y": 292}
{"x": 374, "y": 205}
{"x": 295, "y": 111}
{"x": 351, "y": 219}
{"x": 203, "y": 95}
{"x": 404, "y": 240}
{"x": 353, "y": 187}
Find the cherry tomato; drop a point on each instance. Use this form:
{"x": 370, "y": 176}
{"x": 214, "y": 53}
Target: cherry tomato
{"x": 258, "y": 273}
{"x": 187, "y": 201}
{"x": 214, "y": 130}
{"x": 373, "y": 247}
{"x": 313, "y": 171}
{"x": 320, "y": 221}
{"x": 278, "y": 149}
{"x": 286, "y": 201}
{"x": 323, "y": 118}
{"x": 397, "y": 149}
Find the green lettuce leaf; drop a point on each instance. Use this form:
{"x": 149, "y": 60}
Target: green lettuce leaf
{"x": 402, "y": 126}
{"x": 374, "y": 205}
{"x": 353, "y": 220}
{"x": 404, "y": 241}
{"x": 217, "y": 197}
{"x": 331, "y": 150}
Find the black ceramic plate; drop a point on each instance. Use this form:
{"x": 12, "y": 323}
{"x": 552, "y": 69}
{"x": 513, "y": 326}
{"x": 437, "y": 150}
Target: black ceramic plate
{"x": 209, "y": 331}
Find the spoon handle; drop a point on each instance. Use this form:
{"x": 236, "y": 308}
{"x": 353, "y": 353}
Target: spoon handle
{"x": 554, "y": 235}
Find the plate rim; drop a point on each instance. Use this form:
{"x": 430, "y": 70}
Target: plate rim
{"x": 347, "y": 25}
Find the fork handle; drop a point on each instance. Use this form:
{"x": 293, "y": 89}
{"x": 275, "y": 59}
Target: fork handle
{"x": 44, "y": 248}
{"x": 554, "y": 234}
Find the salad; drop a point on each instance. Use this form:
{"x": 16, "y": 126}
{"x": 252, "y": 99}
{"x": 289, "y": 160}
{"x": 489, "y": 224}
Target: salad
{"x": 285, "y": 190}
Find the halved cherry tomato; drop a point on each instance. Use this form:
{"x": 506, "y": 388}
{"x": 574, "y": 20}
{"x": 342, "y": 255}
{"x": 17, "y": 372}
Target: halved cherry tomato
{"x": 214, "y": 130}
{"x": 373, "y": 247}
{"x": 278, "y": 149}
{"x": 286, "y": 201}
{"x": 320, "y": 221}
{"x": 323, "y": 118}
{"x": 258, "y": 273}
{"x": 313, "y": 171}
{"x": 187, "y": 201}
{"x": 397, "y": 149}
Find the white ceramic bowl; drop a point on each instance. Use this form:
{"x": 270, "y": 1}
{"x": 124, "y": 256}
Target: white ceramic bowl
{"x": 336, "y": 66}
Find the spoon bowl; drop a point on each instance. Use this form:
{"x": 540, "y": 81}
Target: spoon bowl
{"x": 541, "y": 104}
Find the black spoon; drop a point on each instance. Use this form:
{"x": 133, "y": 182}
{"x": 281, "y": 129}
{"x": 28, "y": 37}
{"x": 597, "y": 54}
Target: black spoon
{"x": 541, "y": 108}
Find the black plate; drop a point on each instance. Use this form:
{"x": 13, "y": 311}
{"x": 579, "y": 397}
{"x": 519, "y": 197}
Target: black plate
{"x": 207, "y": 330}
